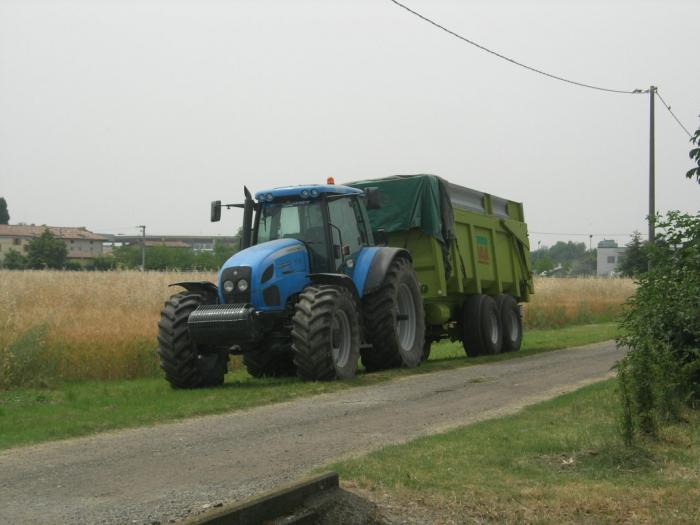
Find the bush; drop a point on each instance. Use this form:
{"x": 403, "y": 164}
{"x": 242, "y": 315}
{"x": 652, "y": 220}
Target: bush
{"x": 661, "y": 327}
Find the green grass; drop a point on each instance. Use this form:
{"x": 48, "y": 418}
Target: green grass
{"x": 75, "y": 409}
{"x": 561, "y": 461}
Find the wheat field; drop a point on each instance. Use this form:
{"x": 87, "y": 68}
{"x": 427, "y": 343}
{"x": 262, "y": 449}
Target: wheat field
{"x": 102, "y": 325}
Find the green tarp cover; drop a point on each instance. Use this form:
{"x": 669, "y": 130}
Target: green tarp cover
{"x": 411, "y": 201}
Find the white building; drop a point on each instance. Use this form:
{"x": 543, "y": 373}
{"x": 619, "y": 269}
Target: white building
{"x": 609, "y": 254}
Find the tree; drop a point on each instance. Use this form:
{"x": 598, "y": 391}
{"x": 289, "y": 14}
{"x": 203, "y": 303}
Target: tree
{"x": 4, "y": 214}
{"x": 46, "y": 251}
{"x": 635, "y": 261}
{"x": 14, "y": 261}
{"x": 543, "y": 264}
{"x": 695, "y": 156}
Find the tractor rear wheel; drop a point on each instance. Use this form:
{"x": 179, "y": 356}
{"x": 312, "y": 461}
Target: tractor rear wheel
{"x": 481, "y": 326}
{"x": 512, "y": 322}
{"x": 184, "y": 363}
{"x": 394, "y": 320}
{"x": 326, "y": 334}
{"x": 270, "y": 358}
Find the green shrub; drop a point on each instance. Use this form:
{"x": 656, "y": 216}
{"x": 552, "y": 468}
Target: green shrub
{"x": 661, "y": 327}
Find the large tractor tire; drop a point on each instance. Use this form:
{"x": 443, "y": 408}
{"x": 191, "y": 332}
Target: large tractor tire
{"x": 185, "y": 365}
{"x": 511, "y": 321}
{"x": 481, "y": 326}
{"x": 326, "y": 334}
{"x": 271, "y": 358}
{"x": 394, "y": 320}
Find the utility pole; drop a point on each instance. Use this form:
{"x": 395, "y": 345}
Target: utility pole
{"x": 652, "y": 204}
{"x": 143, "y": 247}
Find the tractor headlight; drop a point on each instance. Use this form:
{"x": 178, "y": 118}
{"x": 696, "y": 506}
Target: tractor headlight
{"x": 242, "y": 285}
{"x": 314, "y": 193}
{"x": 269, "y": 197}
{"x": 228, "y": 286}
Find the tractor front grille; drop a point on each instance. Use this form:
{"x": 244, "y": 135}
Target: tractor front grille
{"x": 224, "y": 324}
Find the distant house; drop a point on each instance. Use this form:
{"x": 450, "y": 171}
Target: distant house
{"x": 81, "y": 243}
{"x": 609, "y": 254}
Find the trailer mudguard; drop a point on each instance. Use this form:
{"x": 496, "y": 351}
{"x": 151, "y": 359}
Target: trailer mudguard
{"x": 373, "y": 264}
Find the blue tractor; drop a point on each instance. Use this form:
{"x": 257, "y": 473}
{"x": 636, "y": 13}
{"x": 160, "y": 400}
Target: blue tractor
{"x": 309, "y": 294}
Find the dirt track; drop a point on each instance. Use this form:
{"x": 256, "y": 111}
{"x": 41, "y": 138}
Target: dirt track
{"x": 164, "y": 472}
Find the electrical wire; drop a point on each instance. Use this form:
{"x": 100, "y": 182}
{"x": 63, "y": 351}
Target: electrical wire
{"x": 512, "y": 61}
{"x": 672, "y": 113}
{"x": 584, "y": 234}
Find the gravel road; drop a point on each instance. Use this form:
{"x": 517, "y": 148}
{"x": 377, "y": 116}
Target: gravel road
{"x": 162, "y": 473}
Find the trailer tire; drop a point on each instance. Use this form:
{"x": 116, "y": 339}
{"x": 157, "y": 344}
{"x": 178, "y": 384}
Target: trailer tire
{"x": 184, "y": 364}
{"x": 326, "y": 334}
{"x": 270, "y": 358}
{"x": 482, "y": 332}
{"x": 393, "y": 344}
{"x": 511, "y": 321}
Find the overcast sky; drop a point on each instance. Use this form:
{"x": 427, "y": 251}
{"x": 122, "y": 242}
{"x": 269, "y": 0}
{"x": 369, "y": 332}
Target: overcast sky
{"x": 114, "y": 114}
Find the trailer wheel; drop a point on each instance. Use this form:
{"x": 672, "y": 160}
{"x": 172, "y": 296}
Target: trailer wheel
{"x": 481, "y": 324}
{"x": 326, "y": 334}
{"x": 270, "y": 358}
{"x": 394, "y": 320}
{"x": 185, "y": 365}
{"x": 511, "y": 321}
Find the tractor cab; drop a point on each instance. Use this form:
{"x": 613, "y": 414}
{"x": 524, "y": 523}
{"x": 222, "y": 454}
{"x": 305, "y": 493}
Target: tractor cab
{"x": 331, "y": 221}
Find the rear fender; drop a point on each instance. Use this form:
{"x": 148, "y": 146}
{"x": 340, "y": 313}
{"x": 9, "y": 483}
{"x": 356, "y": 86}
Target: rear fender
{"x": 373, "y": 265}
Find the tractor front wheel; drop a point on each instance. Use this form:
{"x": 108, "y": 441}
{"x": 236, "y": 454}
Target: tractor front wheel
{"x": 326, "y": 334}
{"x": 185, "y": 365}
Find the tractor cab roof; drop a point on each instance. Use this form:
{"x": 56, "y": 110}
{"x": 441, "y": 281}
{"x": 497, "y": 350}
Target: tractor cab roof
{"x": 308, "y": 191}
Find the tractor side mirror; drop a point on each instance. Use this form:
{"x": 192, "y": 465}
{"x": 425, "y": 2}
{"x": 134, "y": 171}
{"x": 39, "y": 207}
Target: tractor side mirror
{"x": 373, "y": 202}
{"x": 215, "y": 211}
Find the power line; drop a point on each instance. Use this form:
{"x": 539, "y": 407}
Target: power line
{"x": 512, "y": 61}
{"x": 584, "y": 234}
{"x": 672, "y": 113}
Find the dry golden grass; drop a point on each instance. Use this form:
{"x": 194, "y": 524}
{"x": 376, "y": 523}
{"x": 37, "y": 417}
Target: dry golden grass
{"x": 103, "y": 325}
{"x": 576, "y": 300}
{"x": 99, "y": 325}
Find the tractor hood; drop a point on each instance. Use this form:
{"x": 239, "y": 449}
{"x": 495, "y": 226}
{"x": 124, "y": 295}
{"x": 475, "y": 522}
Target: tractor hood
{"x": 278, "y": 269}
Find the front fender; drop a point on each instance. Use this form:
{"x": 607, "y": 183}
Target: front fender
{"x": 205, "y": 287}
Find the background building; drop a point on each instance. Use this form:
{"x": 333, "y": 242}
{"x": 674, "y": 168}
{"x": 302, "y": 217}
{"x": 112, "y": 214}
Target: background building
{"x": 196, "y": 242}
{"x": 609, "y": 254}
{"x": 81, "y": 243}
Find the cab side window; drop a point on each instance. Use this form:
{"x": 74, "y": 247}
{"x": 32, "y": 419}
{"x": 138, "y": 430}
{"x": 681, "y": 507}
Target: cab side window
{"x": 345, "y": 231}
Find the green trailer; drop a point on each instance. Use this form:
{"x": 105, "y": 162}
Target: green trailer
{"x": 470, "y": 251}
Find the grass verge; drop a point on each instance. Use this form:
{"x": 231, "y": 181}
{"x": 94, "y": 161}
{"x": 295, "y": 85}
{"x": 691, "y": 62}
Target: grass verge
{"x": 75, "y": 409}
{"x": 560, "y": 461}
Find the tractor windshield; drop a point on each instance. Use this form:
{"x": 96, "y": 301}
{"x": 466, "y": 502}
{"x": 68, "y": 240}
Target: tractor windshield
{"x": 301, "y": 220}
